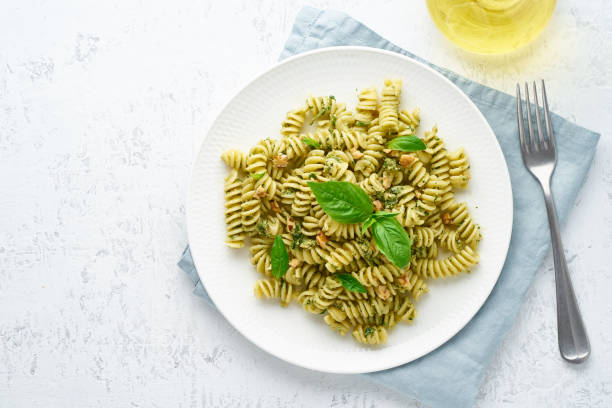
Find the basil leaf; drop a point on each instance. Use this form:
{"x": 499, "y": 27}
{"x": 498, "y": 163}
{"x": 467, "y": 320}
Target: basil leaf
{"x": 324, "y": 110}
{"x": 367, "y": 224}
{"x": 374, "y": 217}
{"x": 344, "y": 202}
{"x": 257, "y": 176}
{"x": 279, "y": 257}
{"x": 392, "y": 240}
{"x": 350, "y": 283}
{"x": 311, "y": 142}
{"x": 410, "y": 143}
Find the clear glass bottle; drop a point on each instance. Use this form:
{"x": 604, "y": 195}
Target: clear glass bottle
{"x": 491, "y": 26}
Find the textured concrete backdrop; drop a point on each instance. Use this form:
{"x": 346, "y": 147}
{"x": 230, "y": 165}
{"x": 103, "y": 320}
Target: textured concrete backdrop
{"x": 102, "y": 107}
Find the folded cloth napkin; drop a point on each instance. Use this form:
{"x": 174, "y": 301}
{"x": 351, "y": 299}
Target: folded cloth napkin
{"x": 450, "y": 375}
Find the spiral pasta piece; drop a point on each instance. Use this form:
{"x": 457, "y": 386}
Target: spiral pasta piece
{"x": 453, "y": 265}
{"x": 339, "y": 257}
{"x": 250, "y": 208}
{"x": 413, "y": 284}
{"x": 439, "y": 156}
{"x": 467, "y": 229}
{"x": 366, "y": 106}
{"x": 364, "y": 311}
{"x": 260, "y": 254}
{"x": 459, "y": 172}
{"x": 372, "y": 335}
{"x": 421, "y": 236}
{"x": 404, "y": 310}
{"x": 235, "y": 159}
{"x": 389, "y": 104}
{"x": 274, "y": 289}
{"x": 417, "y": 174}
{"x": 233, "y": 211}
{"x": 410, "y": 215}
{"x": 341, "y": 326}
{"x": 339, "y": 231}
{"x": 327, "y": 294}
{"x": 373, "y": 185}
{"x": 292, "y": 125}
{"x": 410, "y": 119}
{"x": 377, "y": 275}
{"x": 450, "y": 240}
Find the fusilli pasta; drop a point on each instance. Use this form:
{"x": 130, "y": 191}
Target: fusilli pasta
{"x": 267, "y": 194}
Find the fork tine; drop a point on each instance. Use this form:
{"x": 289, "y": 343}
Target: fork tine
{"x": 549, "y": 129}
{"x": 541, "y": 139}
{"x": 533, "y": 143}
{"x": 519, "y": 118}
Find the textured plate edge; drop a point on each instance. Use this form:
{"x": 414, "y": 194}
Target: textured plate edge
{"x": 508, "y": 221}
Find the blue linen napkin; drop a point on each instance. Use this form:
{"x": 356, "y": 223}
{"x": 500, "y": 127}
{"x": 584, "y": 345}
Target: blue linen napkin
{"x": 450, "y": 375}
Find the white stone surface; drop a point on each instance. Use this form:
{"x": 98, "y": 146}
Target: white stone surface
{"x": 102, "y": 106}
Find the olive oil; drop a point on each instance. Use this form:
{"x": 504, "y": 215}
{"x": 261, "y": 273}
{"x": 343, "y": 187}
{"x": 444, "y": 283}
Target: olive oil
{"x": 491, "y": 26}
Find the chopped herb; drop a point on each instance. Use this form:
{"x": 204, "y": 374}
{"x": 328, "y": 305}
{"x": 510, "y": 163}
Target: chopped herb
{"x": 362, "y": 123}
{"x": 390, "y": 164}
{"x": 332, "y": 97}
{"x": 312, "y": 176}
{"x": 323, "y": 311}
{"x": 297, "y": 235}
{"x": 324, "y": 110}
{"x": 311, "y": 142}
{"x": 308, "y": 243}
{"x": 288, "y": 192}
{"x": 350, "y": 283}
{"x": 262, "y": 228}
{"x": 257, "y": 176}
{"x": 333, "y": 120}
{"x": 390, "y": 201}
{"x": 369, "y": 331}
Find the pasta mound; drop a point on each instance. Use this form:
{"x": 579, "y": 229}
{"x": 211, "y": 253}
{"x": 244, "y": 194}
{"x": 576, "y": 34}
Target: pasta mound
{"x": 267, "y": 193}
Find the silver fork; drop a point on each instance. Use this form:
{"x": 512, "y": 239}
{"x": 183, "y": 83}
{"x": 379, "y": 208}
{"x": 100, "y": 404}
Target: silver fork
{"x": 540, "y": 157}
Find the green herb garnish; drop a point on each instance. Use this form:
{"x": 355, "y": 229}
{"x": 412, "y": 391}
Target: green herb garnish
{"x": 379, "y": 215}
{"x": 347, "y": 203}
{"x": 324, "y": 110}
{"x": 257, "y": 176}
{"x": 279, "y": 258}
{"x": 410, "y": 143}
{"x": 369, "y": 331}
{"x": 350, "y": 283}
{"x": 297, "y": 236}
{"x": 262, "y": 228}
{"x": 392, "y": 240}
{"x": 362, "y": 124}
{"x": 344, "y": 202}
{"x": 390, "y": 164}
{"x": 311, "y": 143}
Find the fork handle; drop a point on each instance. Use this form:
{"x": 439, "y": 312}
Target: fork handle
{"x": 573, "y": 340}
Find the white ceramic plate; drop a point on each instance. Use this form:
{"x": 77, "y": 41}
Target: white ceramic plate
{"x": 256, "y": 113}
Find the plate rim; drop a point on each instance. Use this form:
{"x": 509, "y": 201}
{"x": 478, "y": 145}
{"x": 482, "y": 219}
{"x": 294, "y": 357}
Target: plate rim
{"x": 332, "y": 49}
